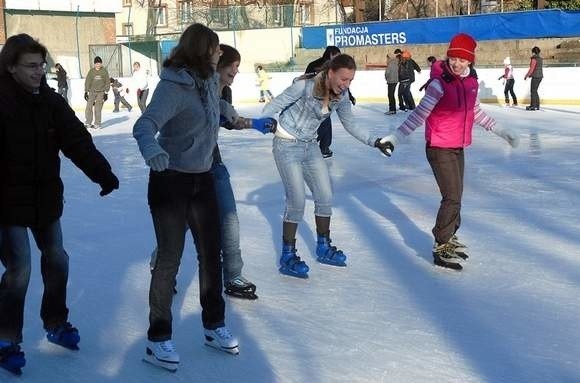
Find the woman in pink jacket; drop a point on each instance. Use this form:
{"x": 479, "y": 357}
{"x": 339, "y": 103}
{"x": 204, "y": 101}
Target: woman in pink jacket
{"x": 449, "y": 110}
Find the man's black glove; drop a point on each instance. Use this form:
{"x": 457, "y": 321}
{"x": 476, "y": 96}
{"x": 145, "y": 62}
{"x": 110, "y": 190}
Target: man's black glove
{"x": 86, "y": 96}
{"x": 109, "y": 183}
{"x": 386, "y": 147}
{"x": 105, "y": 97}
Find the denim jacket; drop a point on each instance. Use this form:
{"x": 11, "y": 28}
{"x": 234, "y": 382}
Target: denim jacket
{"x": 184, "y": 110}
{"x": 300, "y": 110}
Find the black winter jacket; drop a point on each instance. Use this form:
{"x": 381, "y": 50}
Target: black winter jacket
{"x": 34, "y": 128}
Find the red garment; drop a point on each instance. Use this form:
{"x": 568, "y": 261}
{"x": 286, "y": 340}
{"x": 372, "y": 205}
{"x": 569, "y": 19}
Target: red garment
{"x": 451, "y": 122}
{"x": 463, "y": 46}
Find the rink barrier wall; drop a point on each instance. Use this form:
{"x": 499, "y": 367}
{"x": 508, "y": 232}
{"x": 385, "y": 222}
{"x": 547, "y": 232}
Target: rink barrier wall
{"x": 557, "y": 87}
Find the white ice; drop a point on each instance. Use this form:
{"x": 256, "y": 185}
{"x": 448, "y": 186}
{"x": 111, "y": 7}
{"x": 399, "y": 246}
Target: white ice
{"x": 512, "y": 315}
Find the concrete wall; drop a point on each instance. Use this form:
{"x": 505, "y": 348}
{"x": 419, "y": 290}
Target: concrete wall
{"x": 262, "y": 46}
{"x": 558, "y": 87}
{"x": 58, "y": 33}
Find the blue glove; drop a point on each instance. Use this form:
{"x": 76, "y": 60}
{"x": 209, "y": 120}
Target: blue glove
{"x": 159, "y": 163}
{"x": 264, "y": 125}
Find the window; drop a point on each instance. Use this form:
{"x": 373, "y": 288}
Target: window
{"x": 127, "y": 3}
{"x": 277, "y": 11}
{"x": 305, "y": 14}
{"x": 128, "y": 29}
{"x": 185, "y": 11}
{"x": 161, "y": 15}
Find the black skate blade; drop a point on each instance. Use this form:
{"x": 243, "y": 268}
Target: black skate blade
{"x": 72, "y": 347}
{"x": 293, "y": 274}
{"x": 248, "y": 295}
{"x": 167, "y": 366}
{"x": 447, "y": 265}
{"x": 13, "y": 370}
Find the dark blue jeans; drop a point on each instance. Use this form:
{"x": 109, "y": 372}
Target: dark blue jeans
{"x": 325, "y": 135}
{"x": 15, "y": 256}
{"x": 179, "y": 201}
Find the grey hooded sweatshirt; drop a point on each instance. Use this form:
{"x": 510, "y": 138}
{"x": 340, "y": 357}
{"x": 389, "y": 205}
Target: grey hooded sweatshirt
{"x": 184, "y": 110}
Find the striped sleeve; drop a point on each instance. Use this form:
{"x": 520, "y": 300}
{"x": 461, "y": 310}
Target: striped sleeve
{"x": 482, "y": 118}
{"x": 417, "y": 118}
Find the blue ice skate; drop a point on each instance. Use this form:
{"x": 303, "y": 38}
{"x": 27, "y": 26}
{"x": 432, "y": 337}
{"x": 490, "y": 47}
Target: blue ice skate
{"x": 64, "y": 335}
{"x": 329, "y": 254}
{"x": 291, "y": 264}
{"x": 11, "y": 357}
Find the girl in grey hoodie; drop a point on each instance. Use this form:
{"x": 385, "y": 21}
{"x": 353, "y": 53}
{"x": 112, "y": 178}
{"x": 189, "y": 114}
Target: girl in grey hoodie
{"x": 177, "y": 134}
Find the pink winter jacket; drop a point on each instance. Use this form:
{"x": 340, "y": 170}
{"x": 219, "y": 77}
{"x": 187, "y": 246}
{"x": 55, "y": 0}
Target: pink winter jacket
{"x": 448, "y": 110}
{"x": 450, "y": 123}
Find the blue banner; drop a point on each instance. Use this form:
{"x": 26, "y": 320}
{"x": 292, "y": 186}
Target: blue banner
{"x": 488, "y": 26}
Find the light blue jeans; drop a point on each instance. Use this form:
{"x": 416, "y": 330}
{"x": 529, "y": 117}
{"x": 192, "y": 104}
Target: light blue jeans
{"x": 15, "y": 257}
{"x": 229, "y": 223}
{"x": 301, "y": 163}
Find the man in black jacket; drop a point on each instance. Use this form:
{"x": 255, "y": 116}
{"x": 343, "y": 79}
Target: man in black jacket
{"x": 325, "y": 128}
{"x": 35, "y": 125}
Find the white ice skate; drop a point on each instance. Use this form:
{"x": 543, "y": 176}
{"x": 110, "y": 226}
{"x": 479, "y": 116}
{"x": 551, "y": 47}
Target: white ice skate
{"x": 222, "y": 339}
{"x": 162, "y": 354}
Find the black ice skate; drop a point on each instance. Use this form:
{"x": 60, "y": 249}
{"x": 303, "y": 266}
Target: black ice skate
{"x": 445, "y": 256}
{"x": 241, "y": 288}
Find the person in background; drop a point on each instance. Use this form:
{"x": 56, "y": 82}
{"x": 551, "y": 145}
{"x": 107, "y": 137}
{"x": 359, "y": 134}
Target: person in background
{"x": 118, "y": 93}
{"x": 177, "y": 135}
{"x": 407, "y": 68}
{"x": 430, "y": 61}
{"x": 301, "y": 109}
{"x": 140, "y": 81}
{"x": 97, "y": 86}
{"x": 536, "y": 74}
{"x": 448, "y": 111}
{"x": 392, "y": 78}
{"x": 61, "y": 81}
{"x": 264, "y": 84}
{"x": 36, "y": 125}
{"x": 508, "y": 77}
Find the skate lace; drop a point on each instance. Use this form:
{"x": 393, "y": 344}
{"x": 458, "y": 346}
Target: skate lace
{"x": 240, "y": 281}
{"x": 223, "y": 332}
{"x": 167, "y": 346}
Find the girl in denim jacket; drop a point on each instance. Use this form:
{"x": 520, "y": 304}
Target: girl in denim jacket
{"x": 301, "y": 108}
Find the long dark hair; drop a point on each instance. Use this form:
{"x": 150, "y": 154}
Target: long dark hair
{"x": 15, "y": 47}
{"x": 229, "y": 55}
{"x": 194, "y": 50}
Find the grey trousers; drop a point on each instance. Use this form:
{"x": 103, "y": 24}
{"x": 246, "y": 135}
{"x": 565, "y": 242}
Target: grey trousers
{"x": 95, "y": 101}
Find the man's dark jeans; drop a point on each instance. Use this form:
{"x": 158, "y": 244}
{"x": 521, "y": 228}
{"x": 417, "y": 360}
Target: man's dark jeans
{"x": 15, "y": 256}
{"x": 325, "y": 135}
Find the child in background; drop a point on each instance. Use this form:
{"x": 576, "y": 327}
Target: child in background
{"x": 508, "y": 77}
{"x": 119, "y": 94}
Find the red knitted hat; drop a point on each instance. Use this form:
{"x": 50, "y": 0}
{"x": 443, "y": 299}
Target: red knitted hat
{"x": 463, "y": 46}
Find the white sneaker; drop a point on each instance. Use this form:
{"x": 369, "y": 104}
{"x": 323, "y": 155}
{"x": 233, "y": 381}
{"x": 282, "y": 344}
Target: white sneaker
{"x": 222, "y": 339}
{"x": 162, "y": 354}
